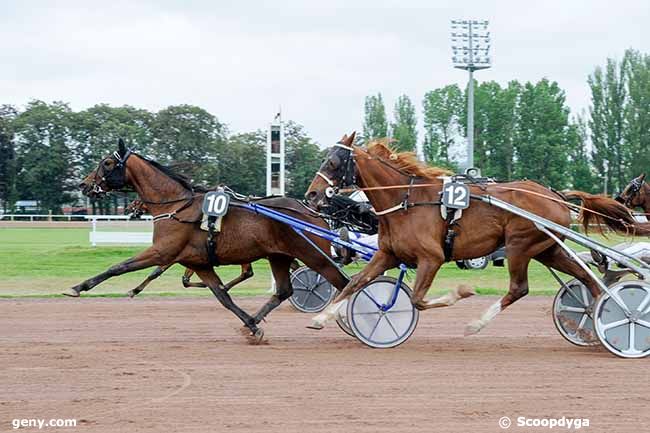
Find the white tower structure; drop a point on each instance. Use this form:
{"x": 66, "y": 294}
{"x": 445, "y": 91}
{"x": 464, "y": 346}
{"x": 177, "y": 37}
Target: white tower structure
{"x": 275, "y": 176}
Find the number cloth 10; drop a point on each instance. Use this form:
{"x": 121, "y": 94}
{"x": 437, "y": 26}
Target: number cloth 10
{"x": 216, "y": 203}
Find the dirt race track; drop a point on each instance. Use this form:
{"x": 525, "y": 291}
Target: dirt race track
{"x": 180, "y": 365}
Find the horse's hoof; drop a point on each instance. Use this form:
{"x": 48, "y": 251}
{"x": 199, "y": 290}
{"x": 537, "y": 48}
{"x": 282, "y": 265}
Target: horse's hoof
{"x": 472, "y": 328}
{"x": 130, "y": 293}
{"x": 315, "y": 325}
{"x": 71, "y": 293}
{"x": 257, "y": 338}
{"x": 465, "y": 291}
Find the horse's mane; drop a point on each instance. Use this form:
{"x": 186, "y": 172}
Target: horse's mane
{"x": 405, "y": 161}
{"x": 175, "y": 175}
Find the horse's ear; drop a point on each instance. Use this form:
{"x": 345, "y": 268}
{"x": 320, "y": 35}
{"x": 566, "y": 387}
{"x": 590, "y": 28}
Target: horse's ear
{"x": 121, "y": 147}
{"x": 353, "y": 137}
{"x": 345, "y": 137}
{"x": 642, "y": 177}
{"x": 348, "y": 140}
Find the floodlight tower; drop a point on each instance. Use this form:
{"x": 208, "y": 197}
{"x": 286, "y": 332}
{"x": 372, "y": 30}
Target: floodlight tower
{"x": 471, "y": 47}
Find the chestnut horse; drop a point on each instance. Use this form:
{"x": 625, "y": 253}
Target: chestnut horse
{"x": 177, "y": 237}
{"x": 412, "y": 230}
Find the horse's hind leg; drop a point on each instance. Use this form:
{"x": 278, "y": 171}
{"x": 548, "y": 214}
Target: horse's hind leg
{"x": 185, "y": 279}
{"x": 280, "y": 266}
{"x": 246, "y": 273}
{"x": 152, "y": 276}
{"x": 210, "y": 278}
{"x": 518, "y": 269}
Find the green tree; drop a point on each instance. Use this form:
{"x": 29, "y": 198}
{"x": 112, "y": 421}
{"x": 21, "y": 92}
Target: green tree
{"x": 44, "y": 158}
{"x": 442, "y": 109}
{"x": 188, "y": 134}
{"x": 405, "y": 133}
{"x": 7, "y": 157}
{"x": 580, "y": 168}
{"x": 607, "y": 123}
{"x": 242, "y": 163}
{"x": 542, "y": 135}
{"x": 637, "y": 115}
{"x": 303, "y": 158}
{"x": 375, "y": 124}
{"x": 95, "y": 133}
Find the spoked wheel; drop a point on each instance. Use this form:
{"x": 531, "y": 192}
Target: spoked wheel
{"x": 476, "y": 264}
{"x": 625, "y": 333}
{"x": 379, "y": 327}
{"x": 342, "y": 319}
{"x": 573, "y": 314}
{"x": 311, "y": 291}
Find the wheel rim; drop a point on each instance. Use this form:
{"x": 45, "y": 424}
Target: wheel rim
{"x": 311, "y": 291}
{"x": 477, "y": 263}
{"x": 377, "y": 328}
{"x": 627, "y": 336}
{"x": 342, "y": 319}
{"x": 573, "y": 314}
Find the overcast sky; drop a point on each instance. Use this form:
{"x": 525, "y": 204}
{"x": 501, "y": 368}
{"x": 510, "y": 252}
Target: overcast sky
{"x": 241, "y": 60}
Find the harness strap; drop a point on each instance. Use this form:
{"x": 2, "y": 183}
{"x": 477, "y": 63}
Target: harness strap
{"x": 211, "y": 243}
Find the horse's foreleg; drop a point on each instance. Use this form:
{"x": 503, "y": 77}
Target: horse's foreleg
{"x": 152, "y": 276}
{"x": 379, "y": 263}
{"x": 185, "y": 279}
{"x": 518, "y": 269}
{"x": 146, "y": 259}
{"x": 210, "y": 278}
{"x": 427, "y": 270}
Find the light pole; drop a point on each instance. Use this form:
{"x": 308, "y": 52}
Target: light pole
{"x": 471, "y": 47}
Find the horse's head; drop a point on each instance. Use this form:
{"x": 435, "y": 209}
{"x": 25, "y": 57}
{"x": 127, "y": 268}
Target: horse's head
{"x": 110, "y": 174}
{"x": 337, "y": 170}
{"x": 633, "y": 195}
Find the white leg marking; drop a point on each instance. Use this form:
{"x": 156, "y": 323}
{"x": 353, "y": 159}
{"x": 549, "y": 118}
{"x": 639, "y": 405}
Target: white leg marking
{"x": 453, "y": 296}
{"x": 326, "y": 315}
{"x": 476, "y": 325}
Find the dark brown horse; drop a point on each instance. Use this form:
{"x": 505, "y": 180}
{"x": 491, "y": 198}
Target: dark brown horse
{"x": 636, "y": 194}
{"x": 412, "y": 230}
{"x": 178, "y": 238}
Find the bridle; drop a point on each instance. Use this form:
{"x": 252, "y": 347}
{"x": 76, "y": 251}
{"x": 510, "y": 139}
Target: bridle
{"x": 347, "y": 175}
{"x": 630, "y": 191}
{"x": 116, "y": 181}
{"x": 116, "y": 178}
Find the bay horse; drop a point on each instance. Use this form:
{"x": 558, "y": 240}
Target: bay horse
{"x": 246, "y": 236}
{"x": 412, "y": 230}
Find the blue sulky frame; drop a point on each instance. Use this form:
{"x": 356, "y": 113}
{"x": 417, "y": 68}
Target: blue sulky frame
{"x": 300, "y": 227}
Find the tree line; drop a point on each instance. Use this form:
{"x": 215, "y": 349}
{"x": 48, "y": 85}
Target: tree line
{"x": 46, "y": 149}
{"x": 522, "y": 130}
{"x": 526, "y": 130}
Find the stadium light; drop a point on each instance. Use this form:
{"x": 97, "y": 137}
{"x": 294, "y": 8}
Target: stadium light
{"x": 471, "y": 51}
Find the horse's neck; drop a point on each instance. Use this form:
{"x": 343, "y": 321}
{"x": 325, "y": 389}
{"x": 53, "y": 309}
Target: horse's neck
{"x": 153, "y": 186}
{"x": 373, "y": 174}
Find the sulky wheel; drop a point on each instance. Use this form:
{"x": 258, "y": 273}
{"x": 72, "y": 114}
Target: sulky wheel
{"x": 342, "y": 319}
{"x": 573, "y": 314}
{"x": 311, "y": 291}
{"x": 625, "y": 333}
{"x": 476, "y": 264}
{"x": 375, "y": 325}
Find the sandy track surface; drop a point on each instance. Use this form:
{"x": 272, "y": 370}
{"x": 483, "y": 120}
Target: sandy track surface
{"x": 180, "y": 365}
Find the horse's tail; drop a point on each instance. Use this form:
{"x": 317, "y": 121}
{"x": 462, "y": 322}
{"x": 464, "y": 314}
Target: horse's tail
{"x": 599, "y": 210}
